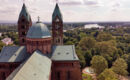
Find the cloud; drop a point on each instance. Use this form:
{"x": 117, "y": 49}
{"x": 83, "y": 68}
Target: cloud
{"x": 115, "y": 6}
{"x": 78, "y": 2}
{"x": 9, "y": 9}
{"x": 68, "y": 2}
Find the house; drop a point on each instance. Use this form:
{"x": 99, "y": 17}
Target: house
{"x": 7, "y": 41}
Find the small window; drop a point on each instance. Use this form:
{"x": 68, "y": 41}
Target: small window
{"x": 23, "y": 33}
{"x": 67, "y": 53}
{"x": 3, "y": 76}
{"x": 23, "y": 20}
{"x": 58, "y": 75}
{"x": 68, "y": 75}
{"x": 58, "y": 53}
{"x": 57, "y": 20}
{"x": 23, "y": 27}
{"x": 23, "y": 40}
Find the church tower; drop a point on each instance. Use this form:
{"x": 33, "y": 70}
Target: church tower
{"x": 24, "y": 22}
{"x": 57, "y": 26}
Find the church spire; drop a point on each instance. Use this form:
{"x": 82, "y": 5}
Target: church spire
{"x": 24, "y": 22}
{"x": 57, "y": 26}
{"x": 56, "y": 12}
{"x": 24, "y": 12}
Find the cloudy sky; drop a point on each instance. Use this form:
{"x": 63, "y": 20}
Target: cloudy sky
{"x": 72, "y": 10}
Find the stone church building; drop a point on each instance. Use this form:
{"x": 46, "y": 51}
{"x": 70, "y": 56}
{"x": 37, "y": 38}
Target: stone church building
{"x": 41, "y": 54}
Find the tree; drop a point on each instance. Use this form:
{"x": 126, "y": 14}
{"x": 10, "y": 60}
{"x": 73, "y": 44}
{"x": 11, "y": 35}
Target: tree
{"x": 108, "y": 74}
{"x": 1, "y": 45}
{"x": 108, "y": 50}
{"x": 87, "y": 43}
{"x": 120, "y": 67}
{"x": 88, "y": 57}
{"x": 99, "y": 64}
{"x": 104, "y": 37}
{"x": 81, "y": 58}
{"x": 82, "y": 35}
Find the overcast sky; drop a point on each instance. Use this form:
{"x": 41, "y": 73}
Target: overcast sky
{"x": 72, "y": 10}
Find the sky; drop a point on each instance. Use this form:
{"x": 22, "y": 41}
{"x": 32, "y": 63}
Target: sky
{"x": 72, "y": 10}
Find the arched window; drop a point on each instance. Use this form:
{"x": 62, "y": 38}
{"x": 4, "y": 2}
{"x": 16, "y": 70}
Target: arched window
{"x": 58, "y": 40}
{"x": 23, "y": 40}
{"x": 68, "y": 75}
{"x": 58, "y": 75}
{"x": 23, "y": 20}
{"x": 23, "y": 33}
{"x": 23, "y": 27}
{"x": 3, "y": 76}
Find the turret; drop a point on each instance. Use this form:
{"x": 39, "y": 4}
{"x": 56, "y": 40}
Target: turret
{"x": 24, "y": 22}
{"x": 57, "y": 26}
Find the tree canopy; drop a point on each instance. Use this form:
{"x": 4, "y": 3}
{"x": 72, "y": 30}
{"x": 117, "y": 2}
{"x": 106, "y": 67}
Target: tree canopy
{"x": 108, "y": 74}
{"x": 120, "y": 67}
{"x": 99, "y": 64}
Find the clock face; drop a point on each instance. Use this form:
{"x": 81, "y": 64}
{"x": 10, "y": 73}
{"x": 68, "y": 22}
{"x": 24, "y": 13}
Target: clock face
{"x": 57, "y": 20}
{"x": 57, "y": 26}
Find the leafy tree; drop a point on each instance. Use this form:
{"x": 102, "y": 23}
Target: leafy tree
{"x": 120, "y": 67}
{"x": 1, "y": 45}
{"x": 99, "y": 64}
{"x": 87, "y": 43}
{"x": 69, "y": 43}
{"x": 88, "y": 57}
{"x": 82, "y": 35}
{"x": 108, "y": 74}
{"x": 104, "y": 37}
{"x": 81, "y": 58}
{"x": 126, "y": 57}
{"x": 107, "y": 50}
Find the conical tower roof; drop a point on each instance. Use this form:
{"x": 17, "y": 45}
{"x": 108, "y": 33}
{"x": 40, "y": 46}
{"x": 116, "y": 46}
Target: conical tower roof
{"x": 57, "y": 12}
{"x": 24, "y": 12}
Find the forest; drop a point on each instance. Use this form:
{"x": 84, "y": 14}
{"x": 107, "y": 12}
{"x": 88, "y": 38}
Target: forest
{"x": 107, "y": 51}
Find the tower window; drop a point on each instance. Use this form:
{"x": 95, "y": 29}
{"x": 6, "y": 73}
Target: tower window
{"x": 23, "y": 40}
{"x": 23, "y": 33}
{"x": 58, "y": 75}
{"x": 23, "y": 27}
{"x": 57, "y": 20}
{"x": 23, "y": 20}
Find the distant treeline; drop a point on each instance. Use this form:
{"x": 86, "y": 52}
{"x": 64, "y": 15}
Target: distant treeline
{"x": 8, "y": 28}
{"x": 67, "y": 26}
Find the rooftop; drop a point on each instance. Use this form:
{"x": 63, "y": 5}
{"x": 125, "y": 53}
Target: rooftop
{"x": 13, "y": 54}
{"x": 37, "y": 67}
{"x": 64, "y": 53}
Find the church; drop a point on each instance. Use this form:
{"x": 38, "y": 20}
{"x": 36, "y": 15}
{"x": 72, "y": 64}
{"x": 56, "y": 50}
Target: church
{"x": 41, "y": 54}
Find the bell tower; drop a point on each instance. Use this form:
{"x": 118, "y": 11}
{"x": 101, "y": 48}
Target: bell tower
{"x": 57, "y": 26}
{"x": 24, "y": 22}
